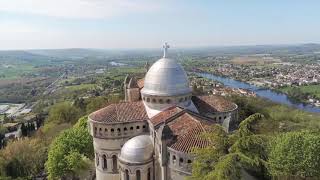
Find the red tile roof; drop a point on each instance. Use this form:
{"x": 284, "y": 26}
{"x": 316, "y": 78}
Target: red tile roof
{"x": 209, "y": 104}
{"x": 186, "y": 126}
{"x": 121, "y": 112}
{"x": 188, "y": 130}
{"x": 164, "y": 115}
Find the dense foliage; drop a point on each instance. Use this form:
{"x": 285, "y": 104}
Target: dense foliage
{"x": 271, "y": 144}
{"x": 63, "y": 113}
{"x": 231, "y": 156}
{"x": 70, "y": 151}
{"x": 295, "y": 154}
{"x": 302, "y": 93}
{"x": 23, "y": 158}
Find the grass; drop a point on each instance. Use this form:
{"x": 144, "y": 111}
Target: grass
{"x": 314, "y": 90}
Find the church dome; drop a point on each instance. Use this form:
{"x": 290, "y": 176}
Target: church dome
{"x": 166, "y": 78}
{"x": 137, "y": 150}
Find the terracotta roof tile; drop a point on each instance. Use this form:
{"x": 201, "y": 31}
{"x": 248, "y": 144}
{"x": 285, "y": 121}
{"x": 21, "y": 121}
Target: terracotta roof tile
{"x": 164, "y": 115}
{"x": 121, "y": 112}
{"x": 209, "y": 104}
{"x": 188, "y": 129}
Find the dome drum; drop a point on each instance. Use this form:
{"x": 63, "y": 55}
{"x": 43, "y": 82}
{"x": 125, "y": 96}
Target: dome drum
{"x": 165, "y": 100}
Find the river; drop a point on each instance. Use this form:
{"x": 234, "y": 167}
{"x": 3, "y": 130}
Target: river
{"x": 265, "y": 93}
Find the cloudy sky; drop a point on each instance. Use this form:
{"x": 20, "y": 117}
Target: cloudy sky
{"x": 28, "y": 24}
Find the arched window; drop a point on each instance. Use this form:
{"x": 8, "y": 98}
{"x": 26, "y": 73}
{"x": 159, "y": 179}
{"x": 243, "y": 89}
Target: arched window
{"x": 181, "y": 160}
{"x": 119, "y": 130}
{"x": 114, "y": 163}
{"x": 148, "y": 99}
{"x": 138, "y": 174}
{"x": 225, "y": 117}
{"x": 168, "y": 101}
{"x": 138, "y": 127}
{"x": 131, "y": 128}
{"x": 95, "y": 130}
{"x": 105, "y": 165}
{"x": 125, "y": 129}
{"x": 127, "y": 175}
{"x": 160, "y": 101}
{"x": 144, "y": 126}
{"x": 112, "y": 130}
{"x": 189, "y": 161}
{"x": 105, "y": 130}
{"x": 174, "y": 159}
{"x": 154, "y": 100}
{"x": 149, "y": 174}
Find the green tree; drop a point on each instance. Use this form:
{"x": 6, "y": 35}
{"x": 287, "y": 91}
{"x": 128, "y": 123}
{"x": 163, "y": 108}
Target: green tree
{"x": 295, "y": 155}
{"x": 24, "y": 158}
{"x": 70, "y": 151}
{"x": 63, "y": 113}
{"x": 80, "y": 104}
{"x": 232, "y": 156}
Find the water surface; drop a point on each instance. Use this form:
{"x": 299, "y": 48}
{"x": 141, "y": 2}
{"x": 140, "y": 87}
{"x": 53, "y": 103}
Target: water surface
{"x": 266, "y": 93}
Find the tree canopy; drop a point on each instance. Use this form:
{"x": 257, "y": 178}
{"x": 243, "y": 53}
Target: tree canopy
{"x": 24, "y": 158}
{"x": 230, "y": 156}
{"x": 295, "y": 154}
{"x": 63, "y": 113}
{"x": 70, "y": 151}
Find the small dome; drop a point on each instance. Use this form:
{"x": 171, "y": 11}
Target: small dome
{"x": 166, "y": 78}
{"x": 137, "y": 150}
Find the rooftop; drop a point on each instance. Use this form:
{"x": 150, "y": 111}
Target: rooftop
{"x": 163, "y": 116}
{"x": 187, "y": 130}
{"x": 120, "y": 112}
{"x": 209, "y": 104}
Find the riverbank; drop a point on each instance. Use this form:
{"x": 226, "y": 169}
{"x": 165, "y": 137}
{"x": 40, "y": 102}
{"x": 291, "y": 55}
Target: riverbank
{"x": 308, "y": 93}
{"x": 265, "y": 93}
{"x": 305, "y": 94}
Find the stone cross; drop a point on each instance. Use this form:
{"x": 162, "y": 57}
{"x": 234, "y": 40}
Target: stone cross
{"x": 165, "y": 49}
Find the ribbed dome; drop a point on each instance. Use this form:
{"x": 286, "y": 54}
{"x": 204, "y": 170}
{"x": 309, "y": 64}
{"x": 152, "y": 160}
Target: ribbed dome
{"x": 166, "y": 78}
{"x": 137, "y": 150}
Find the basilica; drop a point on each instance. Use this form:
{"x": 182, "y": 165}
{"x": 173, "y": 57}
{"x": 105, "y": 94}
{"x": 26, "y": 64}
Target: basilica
{"x": 150, "y": 136}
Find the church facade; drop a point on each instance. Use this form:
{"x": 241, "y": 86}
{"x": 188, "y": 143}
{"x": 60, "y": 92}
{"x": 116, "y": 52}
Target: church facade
{"x": 150, "y": 136}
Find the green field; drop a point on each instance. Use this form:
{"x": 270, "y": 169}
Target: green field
{"x": 15, "y": 71}
{"x": 313, "y": 90}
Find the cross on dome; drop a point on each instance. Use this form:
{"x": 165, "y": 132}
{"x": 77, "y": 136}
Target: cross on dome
{"x": 165, "y": 49}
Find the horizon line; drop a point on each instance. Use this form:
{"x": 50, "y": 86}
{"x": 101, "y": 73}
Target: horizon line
{"x": 173, "y": 47}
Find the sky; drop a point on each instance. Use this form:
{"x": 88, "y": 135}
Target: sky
{"x": 113, "y": 24}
